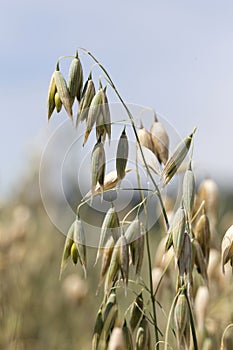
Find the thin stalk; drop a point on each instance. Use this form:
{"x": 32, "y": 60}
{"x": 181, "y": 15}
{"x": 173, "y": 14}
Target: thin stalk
{"x": 191, "y": 322}
{"x": 135, "y": 132}
{"x": 163, "y": 274}
{"x": 169, "y": 319}
{"x": 149, "y": 262}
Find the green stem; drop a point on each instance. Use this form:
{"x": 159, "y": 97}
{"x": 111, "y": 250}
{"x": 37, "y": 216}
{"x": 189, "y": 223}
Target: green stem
{"x": 149, "y": 261}
{"x": 191, "y": 322}
{"x": 135, "y": 132}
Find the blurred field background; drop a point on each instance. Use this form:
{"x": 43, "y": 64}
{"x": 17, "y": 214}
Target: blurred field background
{"x": 37, "y": 311}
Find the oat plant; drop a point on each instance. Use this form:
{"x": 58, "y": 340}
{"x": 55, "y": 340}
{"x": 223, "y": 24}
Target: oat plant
{"x": 186, "y": 234}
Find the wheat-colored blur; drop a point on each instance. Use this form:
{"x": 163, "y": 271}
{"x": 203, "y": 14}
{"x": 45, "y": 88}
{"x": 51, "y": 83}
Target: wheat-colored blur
{"x": 37, "y": 311}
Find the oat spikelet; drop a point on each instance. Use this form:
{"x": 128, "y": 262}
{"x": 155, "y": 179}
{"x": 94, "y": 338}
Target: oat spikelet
{"x": 97, "y": 166}
{"x": 110, "y": 314}
{"x": 202, "y": 234}
{"x": 94, "y": 111}
{"x": 181, "y": 318}
{"x": 106, "y": 114}
{"x": 160, "y": 140}
{"x": 51, "y": 97}
{"x": 122, "y": 155}
{"x": 124, "y": 259}
{"x": 63, "y": 92}
{"x": 114, "y": 267}
{"x": 208, "y": 191}
{"x": 110, "y": 228}
{"x": 79, "y": 238}
{"x": 145, "y": 137}
{"x": 107, "y": 254}
{"x": 67, "y": 248}
{"x": 87, "y": 95}
{"x": 97, "y": 330}
{"x": 176, "y": 232}
{"x": 177, "y": 158}
{"x": 136, "y": 312}
{"x": 227, "y": 248}
{"x": 74, "y": 253}
{"x": 189, "y": 191}
{"x": 58, "y": 103}
{"x": 185, "y": 261}
{"x": 199, "y": 260}
{"x": 75, "y": 78}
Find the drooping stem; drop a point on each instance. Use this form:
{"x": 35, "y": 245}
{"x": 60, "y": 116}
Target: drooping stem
{"x": 135, "y": 133}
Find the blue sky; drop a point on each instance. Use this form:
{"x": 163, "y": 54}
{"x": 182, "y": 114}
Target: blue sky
{"x": 175, "y": 56}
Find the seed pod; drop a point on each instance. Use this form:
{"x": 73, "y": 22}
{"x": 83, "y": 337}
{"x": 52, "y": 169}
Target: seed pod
{"x": 67, "y": 248}
{"x": 58, "y": 103}
{"x": 144, "y": 137}
{"x": 86, "y": 98}
{"x": 97, "y": 330}
{"x": 177, "y": 158}
{"x": 136, "y": 312}
{"x": 114, "y": 267}
{"x": 110, "y": 228}
{"x": 117, "y": 341}
{"x": 74, "y": 253}
{"x": 227, "y": 248}
{"x": 94, "y": 110}
{"x": 177, "y": 230}
{"x": 75, "y": 78}
{"x": 199, "y": 260}
{"x": 97, "y": 166}
{"x": 202, "y": 234}
{"x": 160, "y": 140}
{"x": 63, "y": 92}
{"x": 189, "y": 191}
{"x": 124, "y": 259}
{"x": 181, "y": 317}
{"x": 122, "y": 155}
{"x": 185, "y": 261}
{"x": 51, "y": 95}
{"x": 107, "y": 254}
{"x": 79, "y": 238}
{"x": 127, "y": 336}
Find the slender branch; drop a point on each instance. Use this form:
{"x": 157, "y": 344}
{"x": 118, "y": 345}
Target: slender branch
{"x": 135, "y": 132}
